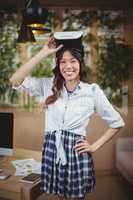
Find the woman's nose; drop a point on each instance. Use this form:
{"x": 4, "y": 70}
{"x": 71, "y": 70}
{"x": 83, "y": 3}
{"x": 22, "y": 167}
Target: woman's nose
{"x": 68, "y": 65}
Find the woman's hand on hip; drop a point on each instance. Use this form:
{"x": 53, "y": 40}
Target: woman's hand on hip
{"x": 83, "y": 146}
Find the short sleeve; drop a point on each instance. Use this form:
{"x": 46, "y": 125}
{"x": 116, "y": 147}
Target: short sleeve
{"x": 105, "y": 108}
{"x": 37, "y": 87}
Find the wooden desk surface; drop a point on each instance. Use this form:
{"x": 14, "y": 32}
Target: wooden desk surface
{"x": 12, "y": 185}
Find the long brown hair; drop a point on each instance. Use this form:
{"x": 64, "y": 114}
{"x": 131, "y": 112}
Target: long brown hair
{"x": 58, "y": 78}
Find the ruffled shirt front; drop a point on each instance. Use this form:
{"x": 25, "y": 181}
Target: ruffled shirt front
{"x": 71, "y": 112}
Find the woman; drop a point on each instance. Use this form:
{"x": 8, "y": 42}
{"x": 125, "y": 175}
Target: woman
{"x": 67, "y": 165}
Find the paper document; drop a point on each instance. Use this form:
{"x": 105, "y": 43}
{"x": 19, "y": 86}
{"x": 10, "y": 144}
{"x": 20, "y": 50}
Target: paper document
{"x": 26, "y": 166}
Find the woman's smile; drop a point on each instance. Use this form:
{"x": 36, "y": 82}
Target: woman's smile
{"x": 69, "y": 67}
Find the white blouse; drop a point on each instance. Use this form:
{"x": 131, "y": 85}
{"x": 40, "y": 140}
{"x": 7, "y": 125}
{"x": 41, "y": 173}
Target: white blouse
{"x": 72, "y": 112}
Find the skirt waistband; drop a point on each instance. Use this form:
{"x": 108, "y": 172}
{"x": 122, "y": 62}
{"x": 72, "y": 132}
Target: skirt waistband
{"x": 61, "y": 155}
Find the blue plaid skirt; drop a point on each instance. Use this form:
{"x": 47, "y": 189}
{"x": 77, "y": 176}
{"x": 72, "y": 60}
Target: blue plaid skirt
{"x": 72, "y": 180}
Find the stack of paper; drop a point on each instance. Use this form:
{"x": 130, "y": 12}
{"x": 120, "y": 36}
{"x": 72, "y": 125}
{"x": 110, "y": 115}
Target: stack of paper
{"x": 26, "y": 166}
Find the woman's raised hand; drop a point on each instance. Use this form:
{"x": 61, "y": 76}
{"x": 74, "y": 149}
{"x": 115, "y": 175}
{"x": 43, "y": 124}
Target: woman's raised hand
{"x": 50, "y": 47}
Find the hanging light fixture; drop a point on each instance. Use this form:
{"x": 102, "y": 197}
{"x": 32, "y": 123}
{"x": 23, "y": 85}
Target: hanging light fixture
{"x": 38, "y": 30}
{"x": 25, "y": 34}
{"x": 36, "y": 17}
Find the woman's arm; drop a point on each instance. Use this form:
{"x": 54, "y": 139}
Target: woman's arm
{"x": 84, "y": 145}
{"x": 27, "y": 68}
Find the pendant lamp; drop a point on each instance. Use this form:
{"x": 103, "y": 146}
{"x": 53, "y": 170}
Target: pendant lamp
{"x": 35, "y": 17}
{"x": 25, "y": 34}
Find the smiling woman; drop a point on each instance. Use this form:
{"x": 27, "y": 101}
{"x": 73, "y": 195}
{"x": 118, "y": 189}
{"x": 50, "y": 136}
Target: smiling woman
{"x": 67, "y": 162}
{"x": 69, "y": 68}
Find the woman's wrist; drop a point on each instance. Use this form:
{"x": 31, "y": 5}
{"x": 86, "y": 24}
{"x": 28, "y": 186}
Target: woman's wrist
{"x": 42, "y": 54}
{"x": 93, "y": 147}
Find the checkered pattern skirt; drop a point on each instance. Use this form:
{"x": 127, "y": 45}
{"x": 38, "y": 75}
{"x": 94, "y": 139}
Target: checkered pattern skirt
{"x": 75, "y": 178}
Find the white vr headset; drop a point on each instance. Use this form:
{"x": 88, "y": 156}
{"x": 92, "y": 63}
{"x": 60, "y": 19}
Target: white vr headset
{"x": 68, "y": 35}
{"x": 69, "y": 39}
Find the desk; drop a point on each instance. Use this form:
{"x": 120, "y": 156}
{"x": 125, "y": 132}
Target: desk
{"x": 12, "y": 188}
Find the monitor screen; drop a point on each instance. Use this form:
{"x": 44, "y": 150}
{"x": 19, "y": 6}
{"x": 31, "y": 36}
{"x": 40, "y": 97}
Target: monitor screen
{"x": 6, "y": 133}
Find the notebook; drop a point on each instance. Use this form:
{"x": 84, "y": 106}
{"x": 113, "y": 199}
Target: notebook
{"x": 31, "y": 178}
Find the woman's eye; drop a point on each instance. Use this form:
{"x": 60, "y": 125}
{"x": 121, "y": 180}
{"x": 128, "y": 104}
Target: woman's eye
{"x": 62, "y": 62}
{"x": 73, "y": 61}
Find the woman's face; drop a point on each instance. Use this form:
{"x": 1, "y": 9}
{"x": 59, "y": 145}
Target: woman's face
{"x": 69, "y": 67}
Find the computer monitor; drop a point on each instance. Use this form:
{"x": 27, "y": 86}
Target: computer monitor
{"x": 6, "y": 133}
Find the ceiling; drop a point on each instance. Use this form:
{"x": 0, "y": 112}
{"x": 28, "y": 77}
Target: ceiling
{"x": 15, "y": 5}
